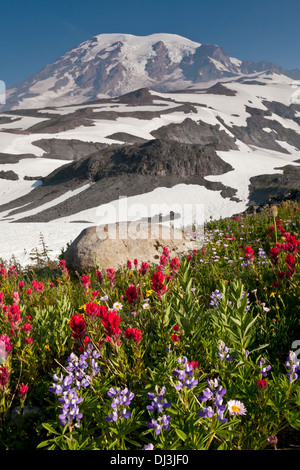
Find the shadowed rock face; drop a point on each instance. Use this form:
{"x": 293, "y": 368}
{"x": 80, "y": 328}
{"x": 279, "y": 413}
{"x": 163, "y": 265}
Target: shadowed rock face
{"x": 160, "y": 64}
{"x": 98, "y": 75}
{"x": 155, "y": 157}
{"x": 140, "y": 97}
{"x": 219, "y": 89}
{"x": 123, "y": 170}
{"x": 287, "y": 112}
{"x": 70, "y": 149}
{"x": 6, "y": 158}
{"x": 199, "y": 67}
{"x": 8, "y": 119}
{"x": 200, "y": 132}
{"x": 263, "y": 187}
{"x": 254, "y": 133}
{"x": 8, "y": 175}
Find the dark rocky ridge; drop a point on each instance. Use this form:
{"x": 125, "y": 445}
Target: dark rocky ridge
{"x": 6, "y": 158}
{"x": 127, "y": 171}
{"x": 126, "y": 138}
{"x": 60, "y": 123}
{"x": 254, "y": 134}
{"x": 155, "y": 157}
{"x": 7, "y": 119}
{"x": 70, "y": 149}
{"x": 279, "y": 186}
{"x": 286, "y": 112}
{"x": 198, "y": 67}
{"x": 220, "y": 89}
{"x": 138, "y": 97}
{"x": 8, "y": 175}
{"x": 192, "y": 132}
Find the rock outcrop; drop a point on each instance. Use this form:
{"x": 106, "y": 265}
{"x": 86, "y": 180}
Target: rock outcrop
{"x": 278, "y": 185}
{"x": 110, "y": 246}
{"x": 8, "y": 175}
{"x": 127, "y": 170}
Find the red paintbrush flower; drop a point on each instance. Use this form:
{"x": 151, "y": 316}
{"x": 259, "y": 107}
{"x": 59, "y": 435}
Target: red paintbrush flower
{"x": 78, "y": 325}
{"x": 133, "y": 333}
{"x": 22, "y": 391}
{"x": 132, "y": 294}
{"x": 111, "y": 321}
{"x": 249, "y": 253}
{"x": 158, "y": 283}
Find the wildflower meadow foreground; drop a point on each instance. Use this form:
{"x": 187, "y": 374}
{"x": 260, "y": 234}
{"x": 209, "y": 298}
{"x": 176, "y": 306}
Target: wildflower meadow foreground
{"x": 197, "y": 353}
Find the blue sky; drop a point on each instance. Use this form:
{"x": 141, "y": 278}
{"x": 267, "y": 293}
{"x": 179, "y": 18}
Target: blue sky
{"x": 34, "y": 33}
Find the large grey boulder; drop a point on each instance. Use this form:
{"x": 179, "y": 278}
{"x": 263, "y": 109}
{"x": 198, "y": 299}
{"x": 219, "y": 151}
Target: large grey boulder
{"x": 112, "y": 245}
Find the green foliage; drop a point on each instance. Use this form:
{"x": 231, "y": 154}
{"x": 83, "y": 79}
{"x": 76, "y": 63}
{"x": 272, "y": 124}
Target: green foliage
{"x": 223, "y": 315}
{"x": 51, "y": 328}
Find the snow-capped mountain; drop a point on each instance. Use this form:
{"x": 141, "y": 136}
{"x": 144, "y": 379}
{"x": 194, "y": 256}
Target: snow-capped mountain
{"x": 225, "y": 143}
{"x": 115, "y": 64}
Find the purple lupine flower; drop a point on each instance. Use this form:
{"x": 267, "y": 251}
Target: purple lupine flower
{"x": 215, "y": 297}
{"x": 89, "y": 356}
{"x": 158, "y": 402}
{"x": 79, "y": 376}
{"x": 214, "y": 393}
{"x": 244, "y": 264}
{"x": 261, "y": 253}
{"x": 207, "y": 394}
{"x": 83, "y": 368}
{"x": 223, "y": 352}
{"x": 263, "y": 370}
{"x": 70, "y": 409}
{"x": 163, "y": 422}
{"x": 220, "y": 392}
{"x": 263, "y": 256}
{"x": 185, "y": 376}
{"x": 114, "y": 416}
{"x": 246, "y": 352}
{"x": 57, "y": 387}
{"x": 67, "y": 382}
{"x": 293, "y": 366}
{"x": 121, "y": 399}
{"x": 206, "y": 412}
{"x": 220, "y": 408}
